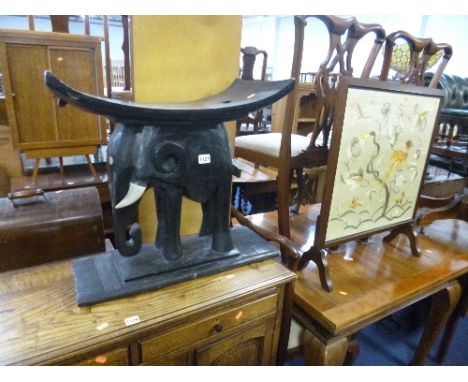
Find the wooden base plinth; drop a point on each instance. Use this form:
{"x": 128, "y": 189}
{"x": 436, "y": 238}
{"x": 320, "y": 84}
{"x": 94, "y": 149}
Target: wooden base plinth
{"x": 108, "y": 275}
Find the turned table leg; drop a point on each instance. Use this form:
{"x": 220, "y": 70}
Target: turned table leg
{"x": 36, "y": 170}
{"x": 353, "y": 351}
{"x": 319, "y": 353}
{"x": 443, "y": 304}
{"x": 460, "y": 311}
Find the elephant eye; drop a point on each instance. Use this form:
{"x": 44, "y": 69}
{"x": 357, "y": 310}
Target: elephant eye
{"x": 169, "y": 164}
{"x": 168, "y": 157}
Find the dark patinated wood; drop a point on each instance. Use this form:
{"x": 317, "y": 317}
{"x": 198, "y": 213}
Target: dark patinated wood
{"x": 233, "y": 317}
{"x": 177, "y": 149}
{"x": 320, "y": 242}
{"x": 59, "y": 23}
{"x": 87, "y": 28}
{"x": 461, "y": 310}
{"x": 338, "y": 58}
{"x": 414, "y": 75}
{"x": 405, "y": 229}
{"x": 126, "y": 52}
{"x": 37, "y": 227}
{"x": 443, "y": 305}
{"x": 371, "y": 280}
{"x": 418, "y": 64}
{"x": 109, "y": 275}
{"x": 105, "y": 22}
{"x": 73, "y": 177}
{"x": 290, "y": 254}
{"x": 238, "y": 99}
{"x": 248, "y": 58}
{"x": 31, "y": 25}
{"x": 249, "y": 55}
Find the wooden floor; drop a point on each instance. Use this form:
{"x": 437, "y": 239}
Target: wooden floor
{"x": 374, "y": 279}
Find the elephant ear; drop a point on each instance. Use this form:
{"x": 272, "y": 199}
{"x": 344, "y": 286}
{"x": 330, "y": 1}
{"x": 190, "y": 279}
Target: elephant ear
{"x": 169, "y": 159}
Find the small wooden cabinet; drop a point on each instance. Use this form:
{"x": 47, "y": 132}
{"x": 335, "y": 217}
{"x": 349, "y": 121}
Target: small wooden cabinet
{"x": 306, "y": 108}
{"x": 230, "y": 318}
{"x": 39, "y": 127}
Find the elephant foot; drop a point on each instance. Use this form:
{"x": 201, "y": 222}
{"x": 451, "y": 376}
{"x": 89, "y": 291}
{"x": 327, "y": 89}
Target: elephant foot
{"x": 172, "y": 254}
{"x": 222, "y": 241}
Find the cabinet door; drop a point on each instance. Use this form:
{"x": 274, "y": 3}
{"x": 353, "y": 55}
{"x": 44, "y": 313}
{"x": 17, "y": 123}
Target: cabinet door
{"x": 33, "y": 103}
{"x": 250, "y": 347}
{"x": 76, "y": 67}
{"x": 172, "y": 359}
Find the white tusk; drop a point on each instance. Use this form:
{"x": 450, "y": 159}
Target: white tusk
{"x": 135, "y": 192}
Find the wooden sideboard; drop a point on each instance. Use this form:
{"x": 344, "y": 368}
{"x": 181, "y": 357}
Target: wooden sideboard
{"x": 230, "y": 318}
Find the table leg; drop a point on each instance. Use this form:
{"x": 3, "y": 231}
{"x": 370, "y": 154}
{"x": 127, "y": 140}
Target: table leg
{"x": 460, "y": 311}
{"x": 318, "y": 353}
{"x": 442, "y": 306}
{"x": 353, "y": 351}
{"x": 61, "y": 165}
{"x": 36, "y": 170}
{"x": 90, "y": 165}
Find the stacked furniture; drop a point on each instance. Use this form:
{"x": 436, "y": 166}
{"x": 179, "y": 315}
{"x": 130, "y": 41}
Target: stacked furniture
{"x": 451, "y": 149}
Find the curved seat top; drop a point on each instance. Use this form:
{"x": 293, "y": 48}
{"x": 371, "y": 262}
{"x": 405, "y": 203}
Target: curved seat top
{"x": 239, "y": 99}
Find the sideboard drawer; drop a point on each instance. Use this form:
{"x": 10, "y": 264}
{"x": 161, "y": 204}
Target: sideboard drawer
{"x": 202, "y": 330}
{"x": 118, "y": 357}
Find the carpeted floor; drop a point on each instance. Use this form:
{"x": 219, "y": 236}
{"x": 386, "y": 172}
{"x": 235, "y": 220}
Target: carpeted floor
{"x": 393, "y": 340}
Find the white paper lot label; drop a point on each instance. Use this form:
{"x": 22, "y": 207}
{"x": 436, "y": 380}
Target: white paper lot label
{"x": 204, "y": 158}
{"x": 132, "y": 320}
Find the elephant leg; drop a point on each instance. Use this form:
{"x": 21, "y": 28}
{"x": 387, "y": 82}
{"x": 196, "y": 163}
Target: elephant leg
{"x": 222, "y": 240}
{"x": 209, "y": 216}
{"x": 168, "y": 207}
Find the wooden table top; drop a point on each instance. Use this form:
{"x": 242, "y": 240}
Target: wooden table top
{"x": 251, "y": 174}
{"x": 40, "y": 321}
{"x": 453, "y": 151}
{"x": 73, "y": 177}
{"x": 371, "y": 280}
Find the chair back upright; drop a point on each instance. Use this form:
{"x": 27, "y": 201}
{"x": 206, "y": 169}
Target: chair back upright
{"x": 344, "y": 35}
{"x": 421, "y": 51}
{"x": 249, "y": 56}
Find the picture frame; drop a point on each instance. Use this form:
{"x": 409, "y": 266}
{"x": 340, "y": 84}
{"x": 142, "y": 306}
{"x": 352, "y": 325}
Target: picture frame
{"x": 382, "y": 137}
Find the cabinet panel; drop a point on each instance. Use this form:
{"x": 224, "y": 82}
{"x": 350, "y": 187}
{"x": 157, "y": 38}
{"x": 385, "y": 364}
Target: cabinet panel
{"x": 77, "y": 68}
{"x": 33, "y": 103}
{"x": 36, "y": 121}
{"x": 250, "y": 347}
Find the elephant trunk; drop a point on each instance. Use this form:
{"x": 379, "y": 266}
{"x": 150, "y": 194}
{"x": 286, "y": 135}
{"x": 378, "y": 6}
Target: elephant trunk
{"x": 125, "y": 212}
{"x": 131, "y": 246}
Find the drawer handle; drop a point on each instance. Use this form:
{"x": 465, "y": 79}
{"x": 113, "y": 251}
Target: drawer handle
{"x": 218, "y": 328}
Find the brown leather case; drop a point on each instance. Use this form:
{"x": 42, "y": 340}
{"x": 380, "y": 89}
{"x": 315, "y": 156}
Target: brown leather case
{"x": 37, "y": 227}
